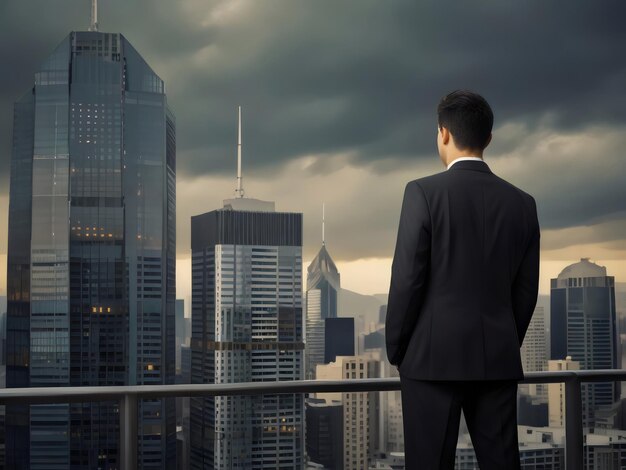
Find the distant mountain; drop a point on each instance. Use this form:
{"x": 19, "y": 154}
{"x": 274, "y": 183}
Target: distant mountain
{"x": 353, "y": 304}
{"x": 382, "y": 297}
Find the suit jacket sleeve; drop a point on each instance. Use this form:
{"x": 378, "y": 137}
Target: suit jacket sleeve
{"x": 526, "y": 283}
{"x": 409, "y": 272}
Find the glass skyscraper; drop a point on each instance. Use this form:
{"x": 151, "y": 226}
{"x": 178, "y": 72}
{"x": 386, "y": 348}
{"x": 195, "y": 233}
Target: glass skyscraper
{"x": 247, "y": 327}
{"x": 583, "y": 326}
{"x": 91, "y": 254}
{"x": 322, "y": 288}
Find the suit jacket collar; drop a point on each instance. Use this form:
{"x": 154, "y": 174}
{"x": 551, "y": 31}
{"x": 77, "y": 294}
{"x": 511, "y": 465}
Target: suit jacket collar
{"x": 471, "y": 165}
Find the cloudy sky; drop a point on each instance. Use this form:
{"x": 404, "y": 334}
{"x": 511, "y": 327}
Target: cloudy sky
{"x": 339, "y": 101}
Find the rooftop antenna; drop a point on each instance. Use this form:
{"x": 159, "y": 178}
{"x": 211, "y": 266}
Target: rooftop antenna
{"x": 239, "y": 190}
{"x": 323, "y": 224}
{"x": 94, "y": 16}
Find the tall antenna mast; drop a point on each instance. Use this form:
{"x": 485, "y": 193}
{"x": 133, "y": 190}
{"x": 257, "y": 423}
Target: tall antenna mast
{"x": 239, "y": 190}
{"x": 323, "y": 224}
{"x": 94, "y": 16}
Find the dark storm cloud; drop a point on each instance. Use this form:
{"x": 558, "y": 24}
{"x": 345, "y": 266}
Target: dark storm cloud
{"x": 359, "y": 77}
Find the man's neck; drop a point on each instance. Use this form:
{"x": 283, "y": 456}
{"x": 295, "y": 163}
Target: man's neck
{"x": 463, "y": 157}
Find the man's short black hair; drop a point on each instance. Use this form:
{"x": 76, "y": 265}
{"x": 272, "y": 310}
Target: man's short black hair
{"x": 468, "y": 117}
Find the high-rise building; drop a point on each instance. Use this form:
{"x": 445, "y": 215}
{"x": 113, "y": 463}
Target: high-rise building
{"x": 247, "y": 326}
{"x": 556, "y": 391}
{"x": 356, "y": 408}
{"x": 392, "y": 415}
{"x": 534, "y": 352}
{"x": 382, "y": 314}
{"x": 91, "y": 253}
{"x": 324, "y": 433}
{"x": 322, "y": 288}
{"x": 583, "y": 325}
{"x": 183, "y": 331}
{"x": 338, "y": 338}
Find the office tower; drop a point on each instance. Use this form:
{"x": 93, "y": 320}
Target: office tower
{"x": 375, "y": 409}
{"x": 183, "y": 410}
{"x": 338, "y": 338}
{"x": 374, "y": 341}
{"x": 382, "y": 314}
{"x": 183, "y": 333}
{"x": 356, "y": 413}
{"x": 534, "y": 352}
{"x": 532, "y": 410}
{"x": 556, "y": 392}
{"x": 392, "y": 417}
{"x": 91, "y": 254}
{"x": 183, "y": 376}
{"x": 583, "y": 326}
{"x": 247, "y": 326}
{"x": 322, "y": 287}
{"x": 324, "y": 433}
{"x": 532, "y": 404}
{"x": 539, "y": 448}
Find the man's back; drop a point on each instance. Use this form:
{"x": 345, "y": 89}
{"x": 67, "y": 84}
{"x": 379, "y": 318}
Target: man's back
{"x": 465, "y": 276}
{"x": 464, "y": 283}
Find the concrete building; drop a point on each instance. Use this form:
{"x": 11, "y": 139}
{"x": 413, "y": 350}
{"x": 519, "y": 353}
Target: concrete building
{"x": 356, "y": 412}
{"x": 534, "y": 353}
{"x": 556, "y": 392}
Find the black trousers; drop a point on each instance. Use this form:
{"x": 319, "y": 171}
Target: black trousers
{"x": 432, "y": 413}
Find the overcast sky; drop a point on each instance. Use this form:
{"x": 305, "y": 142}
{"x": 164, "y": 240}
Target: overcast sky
{"x": 339, "y": 101}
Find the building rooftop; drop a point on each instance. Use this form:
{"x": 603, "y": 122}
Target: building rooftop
{"x": 249, "y": 204}
{"x": 584, "y": 268}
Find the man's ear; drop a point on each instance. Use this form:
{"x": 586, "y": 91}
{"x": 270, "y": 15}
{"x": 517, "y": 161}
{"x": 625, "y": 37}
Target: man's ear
{"x": 445, "y": 135}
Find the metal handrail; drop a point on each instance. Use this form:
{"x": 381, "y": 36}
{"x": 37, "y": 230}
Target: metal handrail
{"x": 129, "y": 395}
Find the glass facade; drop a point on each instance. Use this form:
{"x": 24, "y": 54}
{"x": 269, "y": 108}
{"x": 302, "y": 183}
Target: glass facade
{"x": 101, "y": 193}
{"x": 247, "y": 327}
{"x": 583, "y": 325}
{"x": 322, "y": 288}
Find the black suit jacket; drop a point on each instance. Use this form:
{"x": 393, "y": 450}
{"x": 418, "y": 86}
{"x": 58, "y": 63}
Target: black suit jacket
{"x": 464, "y": 277}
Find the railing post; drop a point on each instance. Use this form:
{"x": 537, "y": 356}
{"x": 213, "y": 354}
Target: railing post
{"x": 128, "y": 432}
{"x": 573, "y": 424}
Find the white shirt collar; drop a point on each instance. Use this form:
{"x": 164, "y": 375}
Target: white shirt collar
{"x": 460, "y": 159}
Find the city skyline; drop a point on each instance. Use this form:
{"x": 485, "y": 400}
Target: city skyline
{"x": 338, "y": 132}
{"x": 127, "y": 212}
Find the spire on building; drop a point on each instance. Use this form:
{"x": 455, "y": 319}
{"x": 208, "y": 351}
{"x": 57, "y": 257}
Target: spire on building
{"x": 323, "y": 267}
{"x": 239, "y": 202}
{"x": 323, "y": 222}
{"x": 94, "y": 16}
{"x": 239, "y": 191}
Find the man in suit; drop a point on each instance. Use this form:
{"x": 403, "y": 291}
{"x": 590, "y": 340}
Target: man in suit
{"x": 464, "y": 283}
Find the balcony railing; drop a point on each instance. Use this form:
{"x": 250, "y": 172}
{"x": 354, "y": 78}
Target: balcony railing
{"x": 128, "y": 396}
